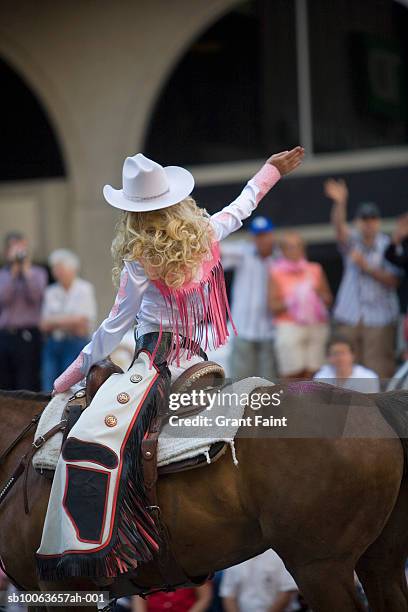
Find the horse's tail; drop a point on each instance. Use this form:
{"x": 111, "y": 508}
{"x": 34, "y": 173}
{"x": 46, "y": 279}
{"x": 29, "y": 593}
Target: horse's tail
{"x": 393, "y": 406}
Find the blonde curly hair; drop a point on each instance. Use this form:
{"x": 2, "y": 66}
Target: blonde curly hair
{"x": 170, "y": 243}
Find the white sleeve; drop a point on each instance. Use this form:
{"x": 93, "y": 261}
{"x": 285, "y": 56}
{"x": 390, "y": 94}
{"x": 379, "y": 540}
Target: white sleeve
{"x": 229, "y": 582}
{"x": 230, "y": 218}
{"x": 285, "y": 580}
{"x": 133, "y": 284}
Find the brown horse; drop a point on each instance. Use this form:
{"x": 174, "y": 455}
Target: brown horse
{"x": 329, "y": 497}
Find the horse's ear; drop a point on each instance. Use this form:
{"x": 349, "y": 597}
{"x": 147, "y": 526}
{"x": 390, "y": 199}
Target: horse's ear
{"x": 97, "y": 375}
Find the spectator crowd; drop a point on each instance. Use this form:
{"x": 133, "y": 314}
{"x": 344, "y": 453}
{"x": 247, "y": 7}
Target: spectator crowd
{"x": 43, "y": 326}
{"x": 289, "y": 323}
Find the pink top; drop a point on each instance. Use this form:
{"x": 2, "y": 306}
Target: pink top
{"x": 296, "y": 283}
{"x": 178, "y": 312}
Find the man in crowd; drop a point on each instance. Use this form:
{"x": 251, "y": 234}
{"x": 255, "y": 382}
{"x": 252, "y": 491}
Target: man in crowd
{"x": 252, "y": 352}
{"x": 22, "y": 286}
{"x": 261, "y": 584}
{"x": 342, "y": 371}
{"x": 366, "y": 309}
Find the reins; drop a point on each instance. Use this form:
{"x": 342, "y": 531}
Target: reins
{"x": 24, "y": 463}
{"x": 20, "y": 436}
{"x": 21, "y": 466}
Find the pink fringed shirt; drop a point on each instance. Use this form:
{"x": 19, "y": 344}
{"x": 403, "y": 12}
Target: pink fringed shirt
{"x": 198, "y": 311}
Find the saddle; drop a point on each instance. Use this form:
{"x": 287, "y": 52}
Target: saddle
{"x": 206, "y": 375}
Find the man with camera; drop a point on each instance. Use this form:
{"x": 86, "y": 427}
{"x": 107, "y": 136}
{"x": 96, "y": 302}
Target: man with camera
{"x": 22, "y": 287}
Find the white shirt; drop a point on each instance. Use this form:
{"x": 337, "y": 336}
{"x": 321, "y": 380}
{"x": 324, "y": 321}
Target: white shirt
{"x": 249, "y": 303}
{"x": 79, "y": 299}
{"x": 256, "y": 583}
{"x": 362, "y": 379}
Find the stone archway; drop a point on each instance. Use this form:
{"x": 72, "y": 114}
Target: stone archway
{"x": 30, "y": 145}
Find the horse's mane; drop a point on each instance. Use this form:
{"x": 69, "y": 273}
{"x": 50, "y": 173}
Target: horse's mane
{"x": 32, "y": 396}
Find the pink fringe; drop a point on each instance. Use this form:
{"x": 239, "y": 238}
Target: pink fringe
{"x": 196, "y": 307}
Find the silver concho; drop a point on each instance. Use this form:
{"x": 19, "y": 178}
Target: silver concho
{"x": 135, "y": 378}
{"x": 123, "y": 397}
{"x": 111, "y": 420}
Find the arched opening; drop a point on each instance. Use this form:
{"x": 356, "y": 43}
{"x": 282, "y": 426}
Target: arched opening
{"x": 232, "y": 96}
{"x": 29, "y": 147}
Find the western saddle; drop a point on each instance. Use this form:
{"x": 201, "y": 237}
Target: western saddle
{"x": 206, "y": 375}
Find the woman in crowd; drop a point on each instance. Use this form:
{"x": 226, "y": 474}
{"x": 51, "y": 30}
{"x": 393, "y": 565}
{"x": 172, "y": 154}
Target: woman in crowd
{"x": 68, "y": 316}
{"x": 299, "y": 296}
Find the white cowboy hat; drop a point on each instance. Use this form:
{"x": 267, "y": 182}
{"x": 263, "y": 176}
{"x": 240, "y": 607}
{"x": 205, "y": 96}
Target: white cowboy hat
{"x": 149, "y": 186}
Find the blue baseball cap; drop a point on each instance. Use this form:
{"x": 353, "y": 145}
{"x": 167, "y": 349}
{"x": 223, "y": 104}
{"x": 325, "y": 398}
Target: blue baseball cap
{"x": 261, "y": 224}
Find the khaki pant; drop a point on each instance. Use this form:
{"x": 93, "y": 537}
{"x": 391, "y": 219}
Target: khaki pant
{"x": 300, "y": 348}
{"x": 374, "y": 346}
{"x": 252, "y": 358}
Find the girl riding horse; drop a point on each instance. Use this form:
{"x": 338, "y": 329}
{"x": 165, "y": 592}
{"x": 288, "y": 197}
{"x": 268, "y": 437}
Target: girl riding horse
{"x": 167, "y": 263}
{"x": 99, "y": 521}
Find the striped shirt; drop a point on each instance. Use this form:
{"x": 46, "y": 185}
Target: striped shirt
{"x": 362, "y": 298}
{"x": 249, "y": 305}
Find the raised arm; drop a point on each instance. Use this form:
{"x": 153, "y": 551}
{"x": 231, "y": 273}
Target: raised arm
{"x": 133, "y": 283}
{"x": 337, "y": 191}
{"x": 230, "y": 218}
